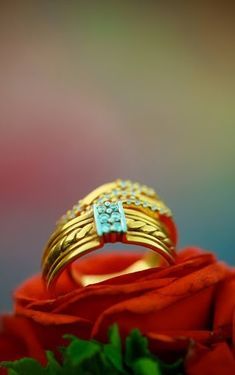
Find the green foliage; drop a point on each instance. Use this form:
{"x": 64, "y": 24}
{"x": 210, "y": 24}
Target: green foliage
{"x": 89, "y": 357}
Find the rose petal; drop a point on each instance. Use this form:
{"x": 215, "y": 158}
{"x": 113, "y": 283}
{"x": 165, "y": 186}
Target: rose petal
{"x": 171, "y": 305}
{"x": 191, "y": 310}
{"x": 225, "y": 303}
{"x": 172, "y": 345}
{"x": 23, "y": 332}
{"x": 26, "y": 295}
{"x": 190, "y": 252}
{"x": 188, "y": 313}
{"x": 34, "y": 289}
{"x": 89, "y": 302}
{"x": 99, "y": 264}
{"x": 215, "y": 361}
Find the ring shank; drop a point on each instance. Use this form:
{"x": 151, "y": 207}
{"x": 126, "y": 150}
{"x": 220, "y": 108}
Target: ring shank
{"x": 79, "y": 237}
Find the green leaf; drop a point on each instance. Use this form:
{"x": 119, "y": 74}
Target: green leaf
{"x": 80, "y": 351}
{"x": 114, "y": 337}
{"x": 114, "y": 357}
{"x": 89, "y": 357}
{"x": 146, "y": 366}
{"x": 136, "y": 347}
{"x": 113, "y": 350}
{"x": 53, "y": 367}
{"x": 107, "y": 366}
{"x": 12, "y": 372}
{"x": 25, "y": 366}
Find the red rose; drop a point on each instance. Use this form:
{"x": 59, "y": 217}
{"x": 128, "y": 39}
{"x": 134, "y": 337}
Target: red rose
{"x": 185, "y": 309}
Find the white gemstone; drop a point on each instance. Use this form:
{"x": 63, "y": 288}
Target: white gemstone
{"x": 154, "y": 207}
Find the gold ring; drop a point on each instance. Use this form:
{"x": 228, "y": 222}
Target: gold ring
{"x": 120, "y": 211}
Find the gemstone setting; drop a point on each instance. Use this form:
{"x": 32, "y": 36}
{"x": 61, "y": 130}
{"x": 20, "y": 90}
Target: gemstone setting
{"x": 109, "y": 217}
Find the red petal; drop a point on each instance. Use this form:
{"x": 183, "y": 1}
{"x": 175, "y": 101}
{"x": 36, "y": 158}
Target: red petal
{"x": 215, "y": 361}
{"x": 186, "y": 303}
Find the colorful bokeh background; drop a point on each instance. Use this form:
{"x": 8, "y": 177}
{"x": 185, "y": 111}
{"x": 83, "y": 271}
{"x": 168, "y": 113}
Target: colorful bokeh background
{"x": 93, "y": 91}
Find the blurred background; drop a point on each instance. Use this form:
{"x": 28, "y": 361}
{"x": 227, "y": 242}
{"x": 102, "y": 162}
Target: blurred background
{"x": 98, "y": 90}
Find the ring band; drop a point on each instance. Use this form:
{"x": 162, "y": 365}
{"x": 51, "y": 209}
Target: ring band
{"x": 121, "y": 211}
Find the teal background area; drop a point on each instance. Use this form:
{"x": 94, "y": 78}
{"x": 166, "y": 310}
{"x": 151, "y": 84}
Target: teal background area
{"x": 93, "y": 92}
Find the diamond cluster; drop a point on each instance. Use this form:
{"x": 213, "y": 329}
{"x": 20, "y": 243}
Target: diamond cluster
{"x": 109, "y": 217}
{"x": 126, "y": 191}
